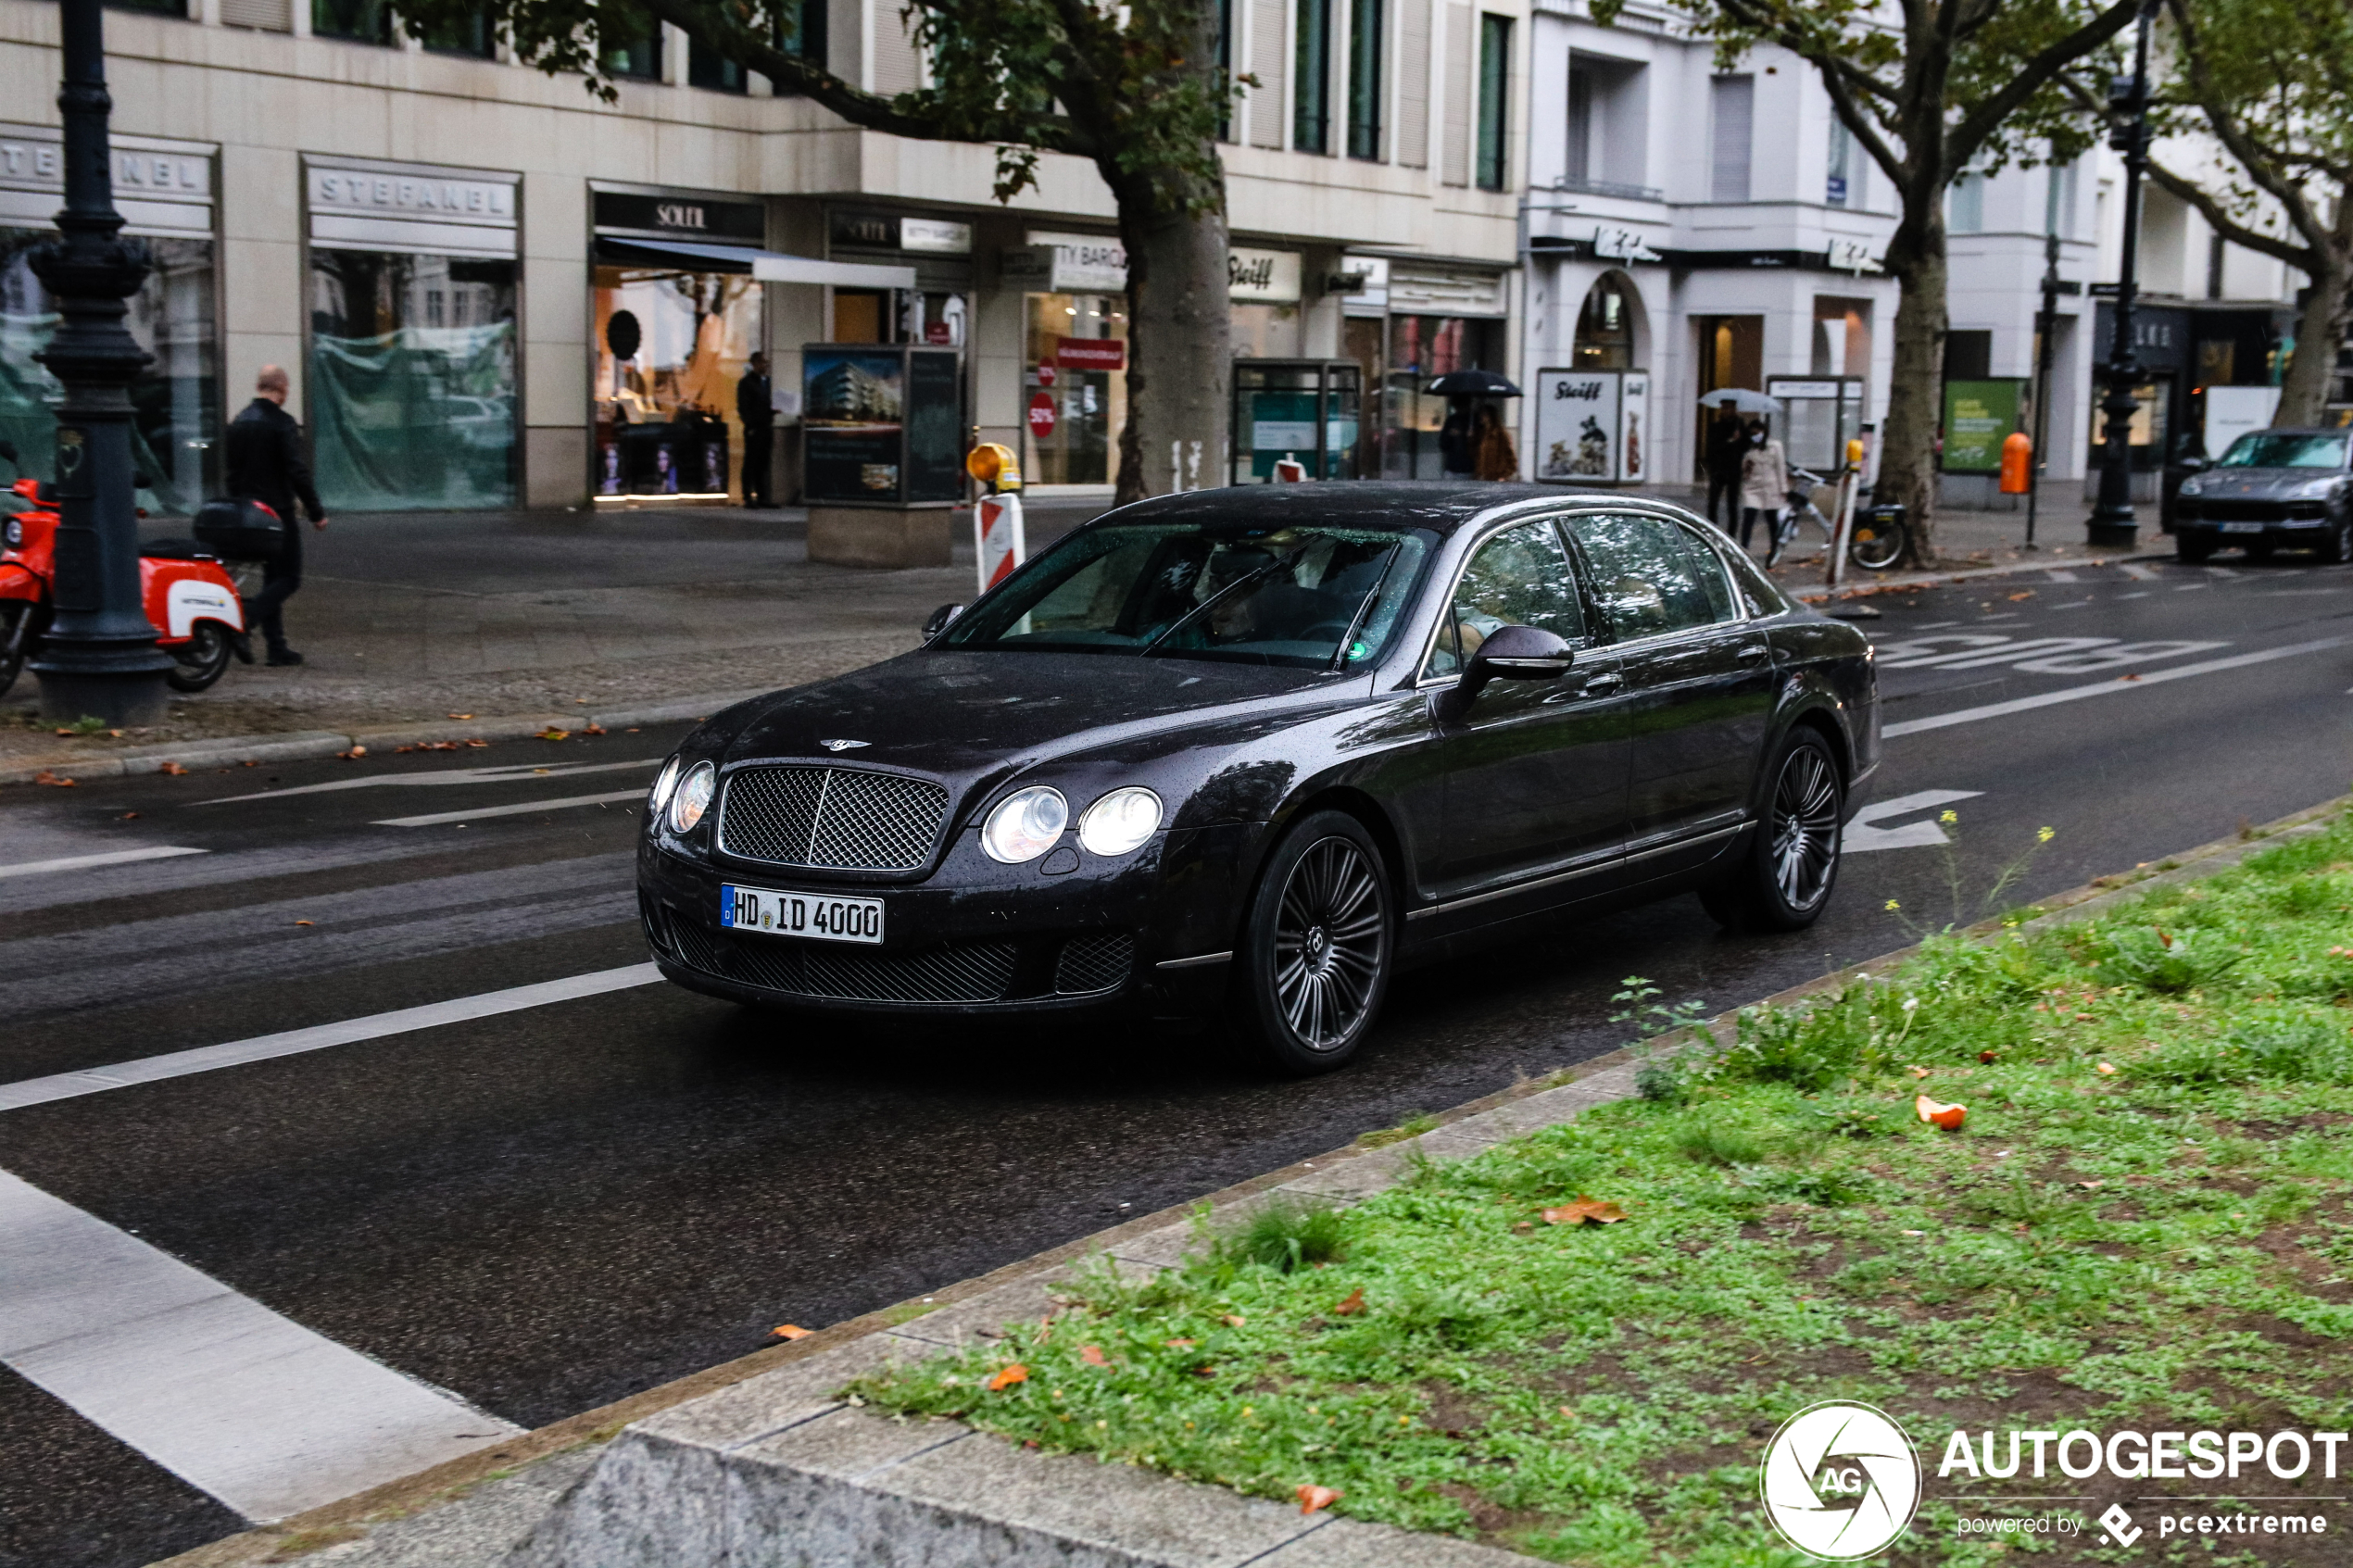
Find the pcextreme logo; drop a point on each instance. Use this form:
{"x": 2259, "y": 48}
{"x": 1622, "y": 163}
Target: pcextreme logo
{"x": 1840, "y": 1480}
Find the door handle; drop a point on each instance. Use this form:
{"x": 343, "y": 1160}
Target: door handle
{"x": 1753, "y": 652}
{"x": 1608, "y": 681}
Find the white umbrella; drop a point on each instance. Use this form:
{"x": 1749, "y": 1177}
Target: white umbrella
{"x": 1741, "y": 398}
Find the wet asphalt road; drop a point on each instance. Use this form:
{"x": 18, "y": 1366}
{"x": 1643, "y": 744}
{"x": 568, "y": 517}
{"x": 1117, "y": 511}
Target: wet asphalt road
{"x": 551, "y": 1209}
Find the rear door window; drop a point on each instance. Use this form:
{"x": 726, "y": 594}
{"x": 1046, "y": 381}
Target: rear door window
{"x": 1646, "y": 575}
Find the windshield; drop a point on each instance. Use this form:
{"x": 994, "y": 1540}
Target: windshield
{"x": 1311, "y": 597}
{"x": 2264, "y": 450}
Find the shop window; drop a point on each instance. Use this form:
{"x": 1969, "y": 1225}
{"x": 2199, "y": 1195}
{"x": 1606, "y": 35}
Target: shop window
{"x": 1842, "y": 336}
{"x": 1842, "y": 184}
{"x": 358, "y": 21}
{"x": 152, "y": 8}
{"x": 175, "y": 401}
{"x": 1605, "y": 327}
{"x": 1965, "y": 205}
{"x": 411, "y": 393}
{"x": 1311, "y": 73}
{"x": 1578, "y": 166}
{"x": 670, "y": 347}
{"x": 469, "y": 34}
{"x": 1366, "y": 21}
{"x": 1968, "y": 356}
{"x": 1494, "y": 110}
{"x": 706, "y": 68}
{"x": 1075, "y": 389}
{"x": 801, "y": 32}
{"x": 1414, "y": 441}
{"x": 640, "y": 58}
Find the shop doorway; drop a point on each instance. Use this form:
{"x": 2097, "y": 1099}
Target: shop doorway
{"x": 1730, "y": 352}
{"x": 1605, "y": 326}
{"x": 1422, "y": 348}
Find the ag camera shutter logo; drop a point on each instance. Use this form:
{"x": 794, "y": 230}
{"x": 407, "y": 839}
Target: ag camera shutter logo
{"x": 1840, "y": 1480}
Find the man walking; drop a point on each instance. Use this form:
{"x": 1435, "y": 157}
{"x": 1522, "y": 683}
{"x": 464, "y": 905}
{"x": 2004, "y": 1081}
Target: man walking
{"x": 756, "y": 409}
{"x": 1723, "y": 453}
{"x": 265, "y": 464}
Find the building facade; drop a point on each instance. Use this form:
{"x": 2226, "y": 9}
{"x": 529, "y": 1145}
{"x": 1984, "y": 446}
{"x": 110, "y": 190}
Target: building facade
{"x": 492, "y": 288}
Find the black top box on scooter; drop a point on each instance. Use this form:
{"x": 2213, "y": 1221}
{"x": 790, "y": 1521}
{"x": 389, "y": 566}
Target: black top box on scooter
{"x": 237, "y": 529}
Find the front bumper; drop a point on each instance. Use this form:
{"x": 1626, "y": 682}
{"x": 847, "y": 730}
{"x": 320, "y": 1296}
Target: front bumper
{"x": 2250, "y": 519}
{"x": 974, "y": 939}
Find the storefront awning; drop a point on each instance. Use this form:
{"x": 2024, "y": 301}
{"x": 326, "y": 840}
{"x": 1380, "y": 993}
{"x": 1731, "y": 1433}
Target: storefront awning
{"x": 768, "y": 266}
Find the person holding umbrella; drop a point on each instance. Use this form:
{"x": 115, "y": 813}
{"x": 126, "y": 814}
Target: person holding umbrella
{"x": 1764, "y": 482}
{"x": 1474, "y": 442}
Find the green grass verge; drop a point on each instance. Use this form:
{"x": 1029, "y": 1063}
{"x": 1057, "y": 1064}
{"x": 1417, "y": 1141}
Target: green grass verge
{"x": 2163, "y": 1243}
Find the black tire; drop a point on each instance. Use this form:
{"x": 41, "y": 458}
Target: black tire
{"x": 13, "y": 653}
{"x": 2191, "y": 546}
{"x": 1317, "y": 947}
{"x": 2336, "y": 546}
{"x": 1876, "y": 547}
{"x": 1784, "y": 878}
{"x": 198, "y": 662}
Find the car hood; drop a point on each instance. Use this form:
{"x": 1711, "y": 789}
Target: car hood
{"x": 2261, "y": 483}
{"x": 965, "y": 715}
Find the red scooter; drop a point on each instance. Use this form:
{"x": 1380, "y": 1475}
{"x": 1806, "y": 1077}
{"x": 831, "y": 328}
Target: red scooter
{"x": 189, "y": 594}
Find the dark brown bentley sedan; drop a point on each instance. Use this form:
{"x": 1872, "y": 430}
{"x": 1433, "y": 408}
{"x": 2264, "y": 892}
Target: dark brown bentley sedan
{"x": 1246, "y": 753}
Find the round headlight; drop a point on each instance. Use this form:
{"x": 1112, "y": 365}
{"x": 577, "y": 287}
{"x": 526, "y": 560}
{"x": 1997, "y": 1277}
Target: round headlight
{"x": 693, "y": 797}
{"x": 2192, "y": 485}
{"x": 15, "y": 534}
{"x": 665, "y": 781}
{"x": 1120, "y": 821}
{"x": 1025, "y": 824}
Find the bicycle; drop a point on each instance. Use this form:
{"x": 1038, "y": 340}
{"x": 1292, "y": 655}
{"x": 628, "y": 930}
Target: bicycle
{"x": 1878, "y": 538}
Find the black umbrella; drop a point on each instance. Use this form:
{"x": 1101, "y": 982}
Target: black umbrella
{"x": 1472, "y": 384}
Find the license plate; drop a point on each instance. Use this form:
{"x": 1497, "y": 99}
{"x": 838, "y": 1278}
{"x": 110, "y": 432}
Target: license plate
{"x": 2242, "y": 528}
{"x": 819, "y": 917}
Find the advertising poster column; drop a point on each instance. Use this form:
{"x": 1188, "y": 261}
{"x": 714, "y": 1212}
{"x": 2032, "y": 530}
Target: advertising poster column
{"x": 1579, "y": 430}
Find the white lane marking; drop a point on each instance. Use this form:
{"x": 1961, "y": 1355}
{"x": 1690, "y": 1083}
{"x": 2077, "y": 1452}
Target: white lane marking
{"x": 2138, "y": 573}
{"x": 437, "y": 818}
{"x": 1864, "y": 835}
{"x": 2104, "y": 688}
{"x": 253, "y": 1408}
{"x": 2035, "y": 655}
{"x": 2192, "y": 588}
{"x": 293, "y": 1041}
{"x": 2061, "y": 575}
{"x": 515, "y": 773}
{"x": 85, "y": 863}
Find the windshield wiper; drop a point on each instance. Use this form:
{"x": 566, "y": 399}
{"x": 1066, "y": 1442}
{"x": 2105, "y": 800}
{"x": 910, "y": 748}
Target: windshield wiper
{"x": 1227, "y": 592}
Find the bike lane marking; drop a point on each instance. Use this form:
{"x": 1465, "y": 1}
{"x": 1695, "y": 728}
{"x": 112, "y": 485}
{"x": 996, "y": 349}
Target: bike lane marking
{"x": 1863, "y": 835}
{"x": 251, "y": 1407}
{"x": 90, "y": 863}
{"x": 436, "y": 819}
{"x": 293, "y": 1041}
{"x": 2105, "y": 688}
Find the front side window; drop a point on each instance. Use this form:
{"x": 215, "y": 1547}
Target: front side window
{"x": 1522, "y": 577}
{"x": 1646, "y": 575}
{"x": 1309, "y": 598}
{"x": 2265, "y": 450}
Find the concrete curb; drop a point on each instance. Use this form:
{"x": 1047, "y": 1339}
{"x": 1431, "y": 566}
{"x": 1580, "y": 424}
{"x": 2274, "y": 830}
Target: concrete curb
{"x": 757, "y": 1461}
{"x": 1820, "y": 592}
{"x": 287, "y": 746}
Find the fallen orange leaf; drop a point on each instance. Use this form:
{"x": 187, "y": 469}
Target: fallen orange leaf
{"x": 1093, "y": 1355}
{"x": 46, "y": 777}
{"x": 1233, "y": 1320}
{"x": 1182, "y": 1344}
{"x": 1937, "y": 1113}
{"x": 1313, "y": 1497}
{"x": 174, "y": 769}
{"x": 552, "y": 733}
{"x": 2105, "y": 1069}
{"x": 1006, "y": 1377}
{"x": 130, "y": 816}
{"x": 1917, "y": 1071}
{"x": 1585, "y": 1209}
{"x": 2089, "y": 1186}
{"x": 306, "y": 923}
{"x": 461, "y": 715}
{"x": 1989, "y": 1058}
{"x": 593, "y": 730}
{"x": 1353, "y": 1306}
{"x": 791, "y": 1331}
{"x": 477, "y": 744}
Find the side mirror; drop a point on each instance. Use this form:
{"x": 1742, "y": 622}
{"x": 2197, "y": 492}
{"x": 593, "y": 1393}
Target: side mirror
{"x": 1514, "y": 653}
{"x": 940, "y": 620}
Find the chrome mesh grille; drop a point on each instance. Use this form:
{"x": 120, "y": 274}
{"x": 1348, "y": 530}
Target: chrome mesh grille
{"x": 831, "y": 819}
{"x": 1093, "y": 964}
{"x": 970, "y": 971}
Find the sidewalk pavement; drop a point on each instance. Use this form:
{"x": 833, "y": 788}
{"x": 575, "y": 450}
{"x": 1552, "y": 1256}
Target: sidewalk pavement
{"x": 407, "y": 620}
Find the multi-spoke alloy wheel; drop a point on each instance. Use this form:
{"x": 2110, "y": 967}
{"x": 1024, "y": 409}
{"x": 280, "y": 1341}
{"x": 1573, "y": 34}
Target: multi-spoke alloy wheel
{"x": 1784, "y": 880}
{"x": 1805, "y": 828}
{"x": 1315, "y": 959}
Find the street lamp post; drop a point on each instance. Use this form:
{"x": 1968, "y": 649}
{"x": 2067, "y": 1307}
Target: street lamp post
{"x": 99, "y": 656}
{"x": 2112, "y": 521}
{"x": 2045, "y": 328}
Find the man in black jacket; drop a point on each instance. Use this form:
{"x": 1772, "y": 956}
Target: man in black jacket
{"x": 265, "y": 464}
{"x": 756, "y": 409}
